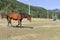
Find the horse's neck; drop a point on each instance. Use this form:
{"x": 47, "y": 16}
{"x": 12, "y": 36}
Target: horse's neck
{"x": 24, "y": 15}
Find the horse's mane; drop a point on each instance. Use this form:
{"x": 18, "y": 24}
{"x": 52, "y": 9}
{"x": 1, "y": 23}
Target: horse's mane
{"x": 25, "y": 15}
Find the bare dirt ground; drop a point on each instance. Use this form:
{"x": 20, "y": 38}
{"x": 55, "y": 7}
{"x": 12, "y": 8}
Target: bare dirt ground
{"x": 38, "y": 29}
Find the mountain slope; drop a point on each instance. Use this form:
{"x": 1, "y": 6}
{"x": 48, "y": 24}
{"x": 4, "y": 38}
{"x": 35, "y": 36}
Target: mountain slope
{"x": 16, "y": 6}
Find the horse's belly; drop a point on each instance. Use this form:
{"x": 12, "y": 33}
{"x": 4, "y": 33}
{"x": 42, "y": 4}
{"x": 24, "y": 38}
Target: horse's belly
{"x": 15, "y": 19}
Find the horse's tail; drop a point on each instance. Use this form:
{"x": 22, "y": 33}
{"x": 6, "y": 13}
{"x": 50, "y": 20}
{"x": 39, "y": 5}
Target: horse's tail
{"x": 7, "y": 17}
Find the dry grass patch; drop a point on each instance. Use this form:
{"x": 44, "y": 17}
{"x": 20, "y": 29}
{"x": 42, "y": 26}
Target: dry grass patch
{"x": 43, "y": 29}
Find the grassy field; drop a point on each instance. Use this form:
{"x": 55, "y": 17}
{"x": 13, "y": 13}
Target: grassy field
{"x": 38, "y": 29}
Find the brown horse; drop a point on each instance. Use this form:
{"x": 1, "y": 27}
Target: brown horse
{"x": 17, "y": 16}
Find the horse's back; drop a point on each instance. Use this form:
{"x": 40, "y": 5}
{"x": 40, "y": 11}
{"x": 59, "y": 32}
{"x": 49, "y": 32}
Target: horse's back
{"x": 14, "y": 15}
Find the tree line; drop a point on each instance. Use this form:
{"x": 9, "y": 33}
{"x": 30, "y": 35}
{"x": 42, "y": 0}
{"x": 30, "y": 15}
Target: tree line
{"x": 36, "y": 12}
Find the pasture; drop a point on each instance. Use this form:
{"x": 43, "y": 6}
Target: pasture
{"x": 38, "y": 29}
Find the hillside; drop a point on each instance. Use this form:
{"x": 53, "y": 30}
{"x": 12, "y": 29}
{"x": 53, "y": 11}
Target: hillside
{"x": 16, "y": 6}
{"x": 37, "y": 12}
{"x": 55, "y": 13}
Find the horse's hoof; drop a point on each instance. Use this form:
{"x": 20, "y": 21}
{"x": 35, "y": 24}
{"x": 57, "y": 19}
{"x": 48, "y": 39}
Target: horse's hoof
{"x": 21, "y": 27}
{"x": 17, "y": 26}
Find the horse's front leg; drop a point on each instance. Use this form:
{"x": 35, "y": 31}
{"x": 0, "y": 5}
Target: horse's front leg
{"x": 19, "y": 23}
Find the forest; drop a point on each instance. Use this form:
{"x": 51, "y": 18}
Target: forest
{"x": 35, "y": 12}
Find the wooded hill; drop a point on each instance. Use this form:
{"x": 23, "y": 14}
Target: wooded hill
{"x": 15, "y": 6}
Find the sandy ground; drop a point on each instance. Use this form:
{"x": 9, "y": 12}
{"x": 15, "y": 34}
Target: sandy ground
{"x": 38, "y": 29}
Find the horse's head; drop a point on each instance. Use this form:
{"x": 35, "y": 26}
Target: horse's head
{"x": 29, "y": 18}
{"x": 24, "y": 15}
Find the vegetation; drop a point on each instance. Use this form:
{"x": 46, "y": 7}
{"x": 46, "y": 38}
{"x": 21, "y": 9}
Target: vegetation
{"x": 37, "y": 12}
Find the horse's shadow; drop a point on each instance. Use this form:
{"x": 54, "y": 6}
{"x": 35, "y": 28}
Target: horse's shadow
{"x": 22, "y": 27}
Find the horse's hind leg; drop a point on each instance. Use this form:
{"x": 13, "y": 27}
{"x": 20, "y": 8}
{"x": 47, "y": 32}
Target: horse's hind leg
{"x": 9, "y": 22}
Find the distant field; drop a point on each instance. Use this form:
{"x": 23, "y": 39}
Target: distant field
{"x": 38, "y": 29}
